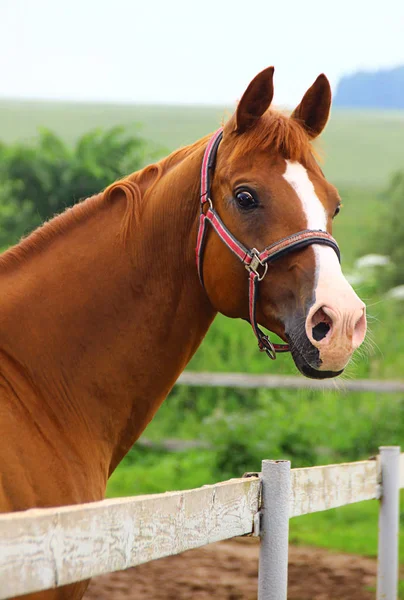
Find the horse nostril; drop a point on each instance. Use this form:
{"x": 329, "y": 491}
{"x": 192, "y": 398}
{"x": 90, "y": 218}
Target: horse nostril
{"x": 320, "y": 331}
{"x": 321, "y": 324}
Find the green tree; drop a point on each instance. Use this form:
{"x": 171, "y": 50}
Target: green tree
{"x": 39, "y": 181}
{"x": 388, "y": 237}
{"x": 14, "y": 215}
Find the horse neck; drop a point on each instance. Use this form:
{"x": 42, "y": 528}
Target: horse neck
{"x": 110, "y": 324}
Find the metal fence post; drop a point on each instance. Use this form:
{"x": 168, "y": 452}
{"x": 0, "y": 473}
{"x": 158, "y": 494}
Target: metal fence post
{"x": 387, "y": 567}
{"x": 274, "y": 530}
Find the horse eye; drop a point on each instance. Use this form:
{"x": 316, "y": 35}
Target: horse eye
{"x": 245, "y": 199}
{"x": 337, "y": 210}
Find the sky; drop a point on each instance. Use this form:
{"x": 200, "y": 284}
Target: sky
{"x": 188, "y": 52}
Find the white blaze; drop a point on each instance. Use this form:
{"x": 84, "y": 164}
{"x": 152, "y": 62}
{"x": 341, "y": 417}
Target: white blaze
{"x": 327, "y": 263}
{"x": 332, "y": 291}
{"x": 333, "y": 294}
{"x": 296, "y": 175}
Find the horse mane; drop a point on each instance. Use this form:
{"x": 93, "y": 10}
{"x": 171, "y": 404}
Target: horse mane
{"x": 135, "y": 187}
{"x": 43, "y": 235}
{"x": 275, "y": 131}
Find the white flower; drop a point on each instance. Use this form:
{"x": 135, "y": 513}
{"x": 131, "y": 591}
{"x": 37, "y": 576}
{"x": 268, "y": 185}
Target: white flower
{"x": 372, "y": 260}
{"x": 396, "y": 293}
{"x": 355, "y": 278}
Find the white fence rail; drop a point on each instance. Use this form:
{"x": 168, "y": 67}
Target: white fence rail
{"x": 294, "y": 382}
{"x": 44, "y": 548}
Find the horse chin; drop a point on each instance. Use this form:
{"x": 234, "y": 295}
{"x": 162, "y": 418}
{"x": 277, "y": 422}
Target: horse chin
{"x": 307, "y": 357}
{"x": 310, "y": 372}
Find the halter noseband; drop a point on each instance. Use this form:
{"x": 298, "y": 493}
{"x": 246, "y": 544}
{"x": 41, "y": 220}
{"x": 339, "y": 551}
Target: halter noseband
{"x": 252, "y": 259}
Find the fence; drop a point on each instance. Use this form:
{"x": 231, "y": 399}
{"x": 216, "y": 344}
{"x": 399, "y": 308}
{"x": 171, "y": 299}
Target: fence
{"x": 44, "y": 548}
{"x": 293, "y": 382}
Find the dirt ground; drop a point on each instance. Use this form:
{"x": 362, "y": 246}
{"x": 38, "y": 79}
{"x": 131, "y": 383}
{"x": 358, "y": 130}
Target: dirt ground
{"x": 228, "y": 570}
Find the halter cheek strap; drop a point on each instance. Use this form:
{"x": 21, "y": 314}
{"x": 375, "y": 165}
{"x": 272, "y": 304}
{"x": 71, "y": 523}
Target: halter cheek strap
{"x": 255, "y": 262}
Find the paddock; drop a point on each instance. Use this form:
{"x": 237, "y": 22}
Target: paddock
{"x": 45, "y": 548}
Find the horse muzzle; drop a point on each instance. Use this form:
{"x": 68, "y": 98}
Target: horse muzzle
{"x": 323, "y": 343}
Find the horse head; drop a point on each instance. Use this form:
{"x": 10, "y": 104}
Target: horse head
{"x": 267, "y": 186}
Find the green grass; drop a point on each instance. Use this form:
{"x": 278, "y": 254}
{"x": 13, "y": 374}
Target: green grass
{"x": 169, "y": 127}
{"x": 352, "y": 529}
{"x": 361, "y": 209}
{"x": 360, "y": 148}
{"x": 155, "y": 472}
{"x": 363, "y": 148}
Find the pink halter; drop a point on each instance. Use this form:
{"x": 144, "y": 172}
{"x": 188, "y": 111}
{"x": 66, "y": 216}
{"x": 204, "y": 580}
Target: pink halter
{"x": 252, "y": 259}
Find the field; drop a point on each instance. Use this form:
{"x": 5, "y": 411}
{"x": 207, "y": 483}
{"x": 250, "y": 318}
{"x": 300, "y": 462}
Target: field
{"x": 361, "y": 150}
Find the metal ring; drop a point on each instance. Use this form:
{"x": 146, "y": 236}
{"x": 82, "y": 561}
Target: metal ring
{"x": 265, "y": 265}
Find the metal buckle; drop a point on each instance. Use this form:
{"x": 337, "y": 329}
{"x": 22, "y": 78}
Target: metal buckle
{"x": 265, "y": 345}
{"x": 270, "y": 352}
{"x": 255, "y": 263}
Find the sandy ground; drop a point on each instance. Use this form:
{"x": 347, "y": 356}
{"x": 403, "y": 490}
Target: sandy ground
{"x": 229, "y": 570}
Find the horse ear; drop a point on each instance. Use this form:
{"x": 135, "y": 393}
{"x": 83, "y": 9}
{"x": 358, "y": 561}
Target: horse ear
{"x": 313, "y": 111}
{"x": 255, "y": 101}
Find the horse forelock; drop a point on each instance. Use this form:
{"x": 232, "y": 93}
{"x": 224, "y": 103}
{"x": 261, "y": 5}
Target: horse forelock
{"x": 277, "y": 132}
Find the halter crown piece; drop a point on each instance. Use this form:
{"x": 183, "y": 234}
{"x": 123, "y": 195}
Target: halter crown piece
{"x": 252, "y": 259}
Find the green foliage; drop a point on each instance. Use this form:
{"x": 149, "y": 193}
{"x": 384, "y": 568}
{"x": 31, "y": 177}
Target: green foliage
{"x": 13, "y": 219}
{"x": 388, "y": 233}
{"x": 349, "y": 529}
{"x": 361, "y": 211}
{"x": 308, "y": 428}
{"x": 145, "y": 471}
{"x": 42, "y": 180}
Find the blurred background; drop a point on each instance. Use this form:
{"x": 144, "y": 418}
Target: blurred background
{"x": 91, "y": 91}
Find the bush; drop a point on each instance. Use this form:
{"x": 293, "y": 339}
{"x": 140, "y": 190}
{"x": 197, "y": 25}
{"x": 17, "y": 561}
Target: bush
{"x": 40, "y": 181}
{"x": 388, "y": 236}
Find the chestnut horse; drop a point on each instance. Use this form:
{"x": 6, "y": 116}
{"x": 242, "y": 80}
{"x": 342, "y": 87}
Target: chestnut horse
{"x": 102, "y": 307}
